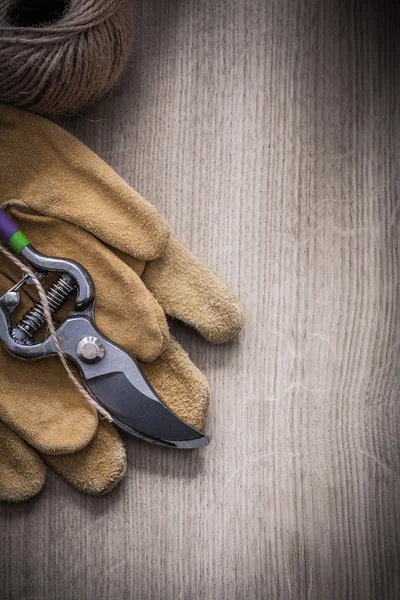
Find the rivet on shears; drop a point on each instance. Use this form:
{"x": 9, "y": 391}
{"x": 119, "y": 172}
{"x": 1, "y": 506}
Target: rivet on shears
{"x": 90, "y": 350}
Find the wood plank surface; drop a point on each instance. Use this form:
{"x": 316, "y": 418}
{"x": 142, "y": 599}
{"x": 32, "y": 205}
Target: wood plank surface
{"x": 266, "y": 132}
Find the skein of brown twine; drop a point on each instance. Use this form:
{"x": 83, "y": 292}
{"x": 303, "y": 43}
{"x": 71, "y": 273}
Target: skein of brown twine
{"x": 49, "y": 321}
{"x": 62, "y": 65}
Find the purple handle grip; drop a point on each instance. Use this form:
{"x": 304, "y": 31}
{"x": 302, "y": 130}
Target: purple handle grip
{"x": 7, "y": 227}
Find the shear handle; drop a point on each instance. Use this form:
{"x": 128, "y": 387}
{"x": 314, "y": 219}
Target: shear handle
{"x": 11, "y": 234}
{"x": 84, "y": 283}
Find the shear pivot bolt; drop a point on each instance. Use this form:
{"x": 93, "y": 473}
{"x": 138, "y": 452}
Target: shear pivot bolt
{"x": 90, "y": 349}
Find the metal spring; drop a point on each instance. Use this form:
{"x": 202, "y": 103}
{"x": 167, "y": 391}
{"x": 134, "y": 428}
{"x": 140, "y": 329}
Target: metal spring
{"x": 57, "y": 294}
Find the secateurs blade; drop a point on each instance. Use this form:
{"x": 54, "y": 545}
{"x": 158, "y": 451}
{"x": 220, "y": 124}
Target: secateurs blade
{"x": 110, "y": 374}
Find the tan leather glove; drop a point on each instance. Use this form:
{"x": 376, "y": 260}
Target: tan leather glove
{"x": 70, "y": 203}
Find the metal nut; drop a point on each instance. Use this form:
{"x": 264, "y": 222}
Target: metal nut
{"x": 11, "y": 300}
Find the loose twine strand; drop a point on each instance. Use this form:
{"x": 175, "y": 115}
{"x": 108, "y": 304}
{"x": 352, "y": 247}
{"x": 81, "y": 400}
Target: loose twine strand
{"x": 49, "y": 321}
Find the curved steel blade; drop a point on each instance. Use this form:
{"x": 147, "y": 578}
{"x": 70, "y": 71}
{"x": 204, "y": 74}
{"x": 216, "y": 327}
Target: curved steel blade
{"x": 119, "y": 385}
{"x": 143, "y": 414}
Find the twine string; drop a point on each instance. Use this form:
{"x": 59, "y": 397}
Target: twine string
{"x": 65, "y": 60}
{"x": 52, "y": 330}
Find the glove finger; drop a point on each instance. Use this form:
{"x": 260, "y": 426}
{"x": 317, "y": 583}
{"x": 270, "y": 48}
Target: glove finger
{"x": 96, "y": 469}
{"x": 180, "y": 384}
{"x": 134, "y": 263}
{"x": 22, "y": 472}
{"x": 189, "y": 291}
{"x": 39, "y": 402}
{"x": 62, "y": 178}
{"x": 125, "y": 310}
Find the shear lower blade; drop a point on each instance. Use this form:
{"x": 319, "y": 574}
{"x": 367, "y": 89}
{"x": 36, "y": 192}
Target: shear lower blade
{"x": 142, "y": 414}
{"x": 120, "y": 386}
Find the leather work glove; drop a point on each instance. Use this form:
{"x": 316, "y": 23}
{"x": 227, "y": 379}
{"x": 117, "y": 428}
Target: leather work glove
{"x": 69, "y": 203}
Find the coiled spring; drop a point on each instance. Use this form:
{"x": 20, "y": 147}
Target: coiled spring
{"x": 57, "y": 294}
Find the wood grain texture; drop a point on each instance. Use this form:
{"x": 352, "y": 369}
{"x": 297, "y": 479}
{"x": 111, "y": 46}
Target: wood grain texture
{"x": 266, "y": 132}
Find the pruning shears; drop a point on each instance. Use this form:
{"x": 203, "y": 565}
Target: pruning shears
{"x": 108, "y": 372}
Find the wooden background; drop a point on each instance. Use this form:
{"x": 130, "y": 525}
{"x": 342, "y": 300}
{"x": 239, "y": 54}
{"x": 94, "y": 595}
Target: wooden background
{"x": 266, "y": 132}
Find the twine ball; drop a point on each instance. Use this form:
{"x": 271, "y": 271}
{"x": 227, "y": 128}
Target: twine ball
{"x": 57, "y": 56}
